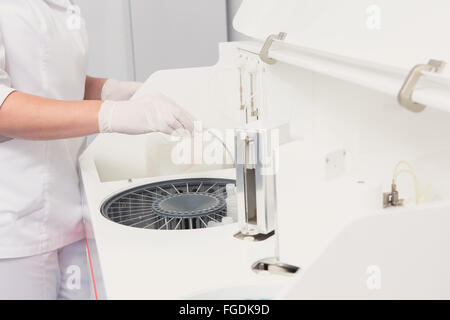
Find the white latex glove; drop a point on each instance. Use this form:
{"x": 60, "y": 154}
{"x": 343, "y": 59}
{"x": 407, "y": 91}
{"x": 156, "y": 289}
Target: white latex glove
{"x": 152, "y": 113}
{"x": 119, "y": 91}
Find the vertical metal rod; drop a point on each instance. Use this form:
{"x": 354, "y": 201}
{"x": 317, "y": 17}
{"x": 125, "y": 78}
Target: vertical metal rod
{"x": 245, "y": 168}
{"x": 133, "y": 48}
{"x": 241, "y": 89}
{"x": 252, "y": 94}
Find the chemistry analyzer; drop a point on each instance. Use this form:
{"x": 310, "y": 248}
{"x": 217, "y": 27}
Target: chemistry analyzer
{"x": 335, "y": 176}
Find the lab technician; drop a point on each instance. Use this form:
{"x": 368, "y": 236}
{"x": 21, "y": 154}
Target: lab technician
{"x": 48, "y": 106}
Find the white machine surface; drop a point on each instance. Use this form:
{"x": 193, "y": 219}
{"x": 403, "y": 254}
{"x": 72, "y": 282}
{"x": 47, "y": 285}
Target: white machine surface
{"x": 333, "y": 84}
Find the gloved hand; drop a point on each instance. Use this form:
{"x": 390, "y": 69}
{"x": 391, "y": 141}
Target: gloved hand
{"x": 119, "y": 91}
{"x": 152, "y": 113}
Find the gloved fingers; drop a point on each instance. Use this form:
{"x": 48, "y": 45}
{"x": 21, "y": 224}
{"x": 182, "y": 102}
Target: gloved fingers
{"x": 119, "y": 91}
{"x": 158, "y": 123}
{"x": 166, "y": 129}
{"x": 186, "y": 120}
{"x": 174, "y": 124}
{"x": 133, "y": 85}
{"x": 143, "y": 115}
{"x": 132, "y": 88}
{"x": 180, "y": 114}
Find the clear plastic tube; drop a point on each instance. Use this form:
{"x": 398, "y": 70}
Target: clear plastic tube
{"x": 409, "y": 171}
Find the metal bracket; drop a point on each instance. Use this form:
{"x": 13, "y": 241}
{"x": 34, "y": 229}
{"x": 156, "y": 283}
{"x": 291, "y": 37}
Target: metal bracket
{"x": 405, "y": 94}
{"x": 274, "y": 266}
{"x": 391, "y": 199}
{"x": 264, "y": 54}
{"x": 254, "y": 238}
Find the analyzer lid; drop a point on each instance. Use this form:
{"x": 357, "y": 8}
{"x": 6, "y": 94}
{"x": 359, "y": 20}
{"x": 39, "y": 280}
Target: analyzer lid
{"x": 398, "y": 33}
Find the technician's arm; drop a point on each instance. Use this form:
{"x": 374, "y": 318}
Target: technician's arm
{"x": 34, "y": 118}
{"x": 93, "y": 88}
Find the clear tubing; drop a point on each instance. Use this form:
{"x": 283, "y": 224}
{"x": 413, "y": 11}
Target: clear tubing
{"x": 416, "y": 182}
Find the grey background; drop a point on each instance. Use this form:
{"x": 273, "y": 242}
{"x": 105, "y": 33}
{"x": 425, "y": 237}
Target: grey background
{"x": 232, "y": 8}
{"x": 131, "y": 39}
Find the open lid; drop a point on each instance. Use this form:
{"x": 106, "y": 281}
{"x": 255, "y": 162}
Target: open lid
{"x": 400, "y": 33}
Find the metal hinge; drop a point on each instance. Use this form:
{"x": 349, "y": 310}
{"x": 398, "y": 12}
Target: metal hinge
{"x": 264, "y": 54}
{"x": 405, "y": 94}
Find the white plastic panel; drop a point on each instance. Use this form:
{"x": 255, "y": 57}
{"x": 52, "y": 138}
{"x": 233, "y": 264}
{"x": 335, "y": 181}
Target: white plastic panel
{"x": 392, "y": 256}
{"x": 400, "y": 33}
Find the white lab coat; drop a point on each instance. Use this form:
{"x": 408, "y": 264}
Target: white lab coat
{"x": 40, "y": 197}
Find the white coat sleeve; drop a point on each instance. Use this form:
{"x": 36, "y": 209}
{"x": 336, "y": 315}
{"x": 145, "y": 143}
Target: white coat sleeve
{"x": 5, "y": 81}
